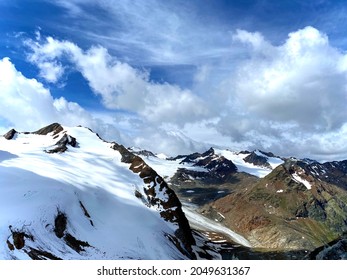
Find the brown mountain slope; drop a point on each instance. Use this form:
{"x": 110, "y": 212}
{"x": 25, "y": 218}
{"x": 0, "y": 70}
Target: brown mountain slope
{"x": 288, "y": 209}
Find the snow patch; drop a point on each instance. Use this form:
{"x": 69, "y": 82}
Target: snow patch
{"x": 198, "y": 221}
{"x": 167, "y": 168}
{"x": 298, "y": 179}
{"x": 161, "y": 156}
{"x": 242, "y": 166}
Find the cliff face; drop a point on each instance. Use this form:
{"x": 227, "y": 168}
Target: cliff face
{"x": 159, "y": 195}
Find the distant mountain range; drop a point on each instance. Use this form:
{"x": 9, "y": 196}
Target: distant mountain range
{"x": 68, "y": 194}
{"x": 277, "y": 204}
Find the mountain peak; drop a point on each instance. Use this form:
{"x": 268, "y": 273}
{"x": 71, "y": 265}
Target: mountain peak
{"x": 257, "y": 159}
{"x": 54, "y": 127}
{"x": 10, "y": 134}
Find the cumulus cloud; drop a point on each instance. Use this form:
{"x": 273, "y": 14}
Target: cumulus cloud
{"x": 23, "y": 101}
{"x": 27, "y": 105}
{"x": 302, "y": 81}
{"x": 283, "y": 95}
{"x": 288, "y": 98}
{"x": 120, "y": 85}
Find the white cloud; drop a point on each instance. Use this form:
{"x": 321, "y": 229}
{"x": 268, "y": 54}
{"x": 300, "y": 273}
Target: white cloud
{"x": 288, "y": 98}
{"x": 170, "y": 142}
{"x": 283, "y": 95}
{"x": 148, "y": 32}
{"x": 51, "y": 71}
{"x": 27, "y": 105}
{"x": 301, "y": 81}
{"x": 23, "y": 101}
{"x": 120, "y": 85}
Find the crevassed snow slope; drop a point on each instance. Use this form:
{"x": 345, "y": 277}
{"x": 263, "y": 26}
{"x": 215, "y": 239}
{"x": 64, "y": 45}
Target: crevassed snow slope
{"x": 35, "y": 185}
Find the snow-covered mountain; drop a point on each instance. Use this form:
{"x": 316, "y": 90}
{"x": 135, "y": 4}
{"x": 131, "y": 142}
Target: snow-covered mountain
{"x": 217, "y": 161}
{"x": 67, "y": 194}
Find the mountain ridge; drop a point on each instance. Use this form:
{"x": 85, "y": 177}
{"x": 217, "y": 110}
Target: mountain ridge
{"x": 253, "y": 198}
{"x": 81, "y": 170}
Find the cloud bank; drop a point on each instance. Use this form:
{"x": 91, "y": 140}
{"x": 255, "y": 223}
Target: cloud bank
{"x": 289, "y": 98}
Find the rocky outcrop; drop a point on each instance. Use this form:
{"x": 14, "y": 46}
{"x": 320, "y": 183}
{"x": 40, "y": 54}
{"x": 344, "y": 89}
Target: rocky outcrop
{"x": 9, "y": 135}
{"x": 331, "y": 172}
{"x": 143, "y": 153}
{"x": 60, "y": 231}
{"x": 257, "y": 160}
{"x": 334, "y": 250}
{"x": 61, "y": 145}
{"x": 215, "y": 169}
{"x": 53, "y": 128}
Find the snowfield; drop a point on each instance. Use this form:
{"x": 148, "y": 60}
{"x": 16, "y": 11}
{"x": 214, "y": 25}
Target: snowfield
{"x": 242, "y": 166}
{"x": 167, "y": 168}
{"x": 88, "y": 184}
{"x": 200, "y": 222}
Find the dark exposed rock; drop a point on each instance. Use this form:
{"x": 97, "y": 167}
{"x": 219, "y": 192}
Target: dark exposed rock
{"x": 74, "y": 243}
{"x": 10, "y": 245}
{"x": 86, "y": 213}
{"x": 257, "y": 160}
{"x": 138, "y": 194}
{"x": 18, "y": 239}
{"x": 60, "y": 223}
{"x": 334, "y": 250}
{"x": 331, "y": 172}
{"x": 9, "y": 135}
{"x": 144, "y": 153}
{"x": 67, "y": 140}
{"x": 218, "y": 169}
{"x": 36, "y": 254}
{"x": 54, "y": 127}
{"x": 84, "y": 210}
{"x": 59, "y": 149}
{"x": 61, "y": 145}
{"x": 268, "y": 154}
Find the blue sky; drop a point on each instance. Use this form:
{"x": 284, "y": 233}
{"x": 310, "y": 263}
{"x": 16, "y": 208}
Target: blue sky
{"x": 180, "y": 76}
